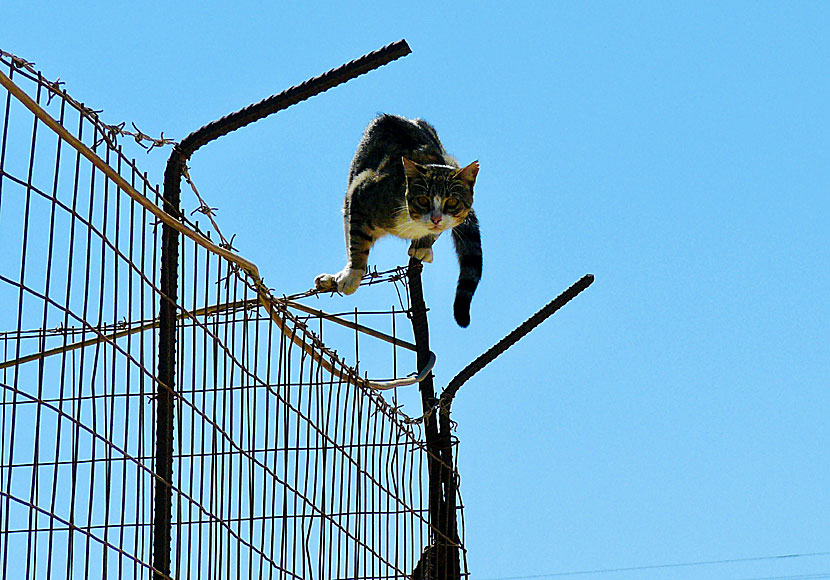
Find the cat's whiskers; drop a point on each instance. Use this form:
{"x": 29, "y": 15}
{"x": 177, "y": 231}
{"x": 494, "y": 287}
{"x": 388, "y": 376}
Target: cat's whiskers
{"x": 408, "y": 229}
{"x": 401, "y": 210}
{"x": 401, "y": 217}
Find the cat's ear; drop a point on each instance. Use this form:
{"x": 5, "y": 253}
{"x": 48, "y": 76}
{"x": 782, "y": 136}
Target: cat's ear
{"x": 468, "y": 174}
{"x": 412, "y": 169}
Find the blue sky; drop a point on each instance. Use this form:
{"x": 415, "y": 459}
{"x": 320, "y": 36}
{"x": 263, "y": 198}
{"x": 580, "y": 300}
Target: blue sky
{"x": 677, "y": 410}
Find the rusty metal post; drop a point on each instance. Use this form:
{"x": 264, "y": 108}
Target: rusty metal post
{"x": 162, "y": 516}
{"x": 441, "y": 559}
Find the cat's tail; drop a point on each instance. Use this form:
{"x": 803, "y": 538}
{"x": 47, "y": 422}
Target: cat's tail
{"x": 467, "y": 240}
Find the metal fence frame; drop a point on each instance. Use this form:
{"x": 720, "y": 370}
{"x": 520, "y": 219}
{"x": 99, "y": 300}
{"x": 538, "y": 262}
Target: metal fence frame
{"x": 381, "y": 527}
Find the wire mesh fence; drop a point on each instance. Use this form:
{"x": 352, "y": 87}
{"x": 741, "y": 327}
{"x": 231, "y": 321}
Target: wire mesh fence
{"x": 286, "y": 463}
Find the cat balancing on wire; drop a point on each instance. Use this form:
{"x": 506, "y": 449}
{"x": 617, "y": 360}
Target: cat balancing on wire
{"x": 402, "y": 182}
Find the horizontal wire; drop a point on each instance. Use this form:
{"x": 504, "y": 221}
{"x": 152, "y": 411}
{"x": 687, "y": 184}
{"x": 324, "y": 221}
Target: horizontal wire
{"x": 247, "y": 454}
{"x": 315, "y": 519}
{"x": 813, "y": 576}
{"x": 661, "y": 566}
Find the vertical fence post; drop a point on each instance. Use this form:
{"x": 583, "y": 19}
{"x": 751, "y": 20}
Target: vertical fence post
{"x": 165, "y": 399}
{"x": 439, "y": 560}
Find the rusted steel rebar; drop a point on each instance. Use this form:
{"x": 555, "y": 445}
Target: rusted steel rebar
{"x": 512, "y": 338}
{"x": 440, "y": 560}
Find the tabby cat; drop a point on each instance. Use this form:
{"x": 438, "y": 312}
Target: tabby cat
{"x": 402, "y": 182}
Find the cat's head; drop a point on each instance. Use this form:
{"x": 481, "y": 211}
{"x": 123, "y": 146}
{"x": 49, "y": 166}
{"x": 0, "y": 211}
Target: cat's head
{"x": 440, "y": 196}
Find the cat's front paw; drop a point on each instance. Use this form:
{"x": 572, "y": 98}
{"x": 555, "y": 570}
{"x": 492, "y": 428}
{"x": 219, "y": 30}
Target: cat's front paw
{"x": 325, "y": 283}
{"x": 345, "y": 281}
{"x": 423, "y": 254}
{"x": 348, "y": 280}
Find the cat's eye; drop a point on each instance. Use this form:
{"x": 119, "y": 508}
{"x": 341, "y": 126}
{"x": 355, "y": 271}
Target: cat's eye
{"x": 451, "y": 204}
{"x": 422, "y": 200}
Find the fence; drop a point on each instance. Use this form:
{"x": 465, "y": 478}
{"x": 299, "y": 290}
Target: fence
{"x": 284, "y": 462}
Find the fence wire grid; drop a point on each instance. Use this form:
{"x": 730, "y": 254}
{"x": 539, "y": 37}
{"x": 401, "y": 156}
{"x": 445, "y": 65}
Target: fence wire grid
{"x": 285, "y": 463}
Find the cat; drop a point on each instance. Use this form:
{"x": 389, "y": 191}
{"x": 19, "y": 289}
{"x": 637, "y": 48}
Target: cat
{"x": 402, "y": 182}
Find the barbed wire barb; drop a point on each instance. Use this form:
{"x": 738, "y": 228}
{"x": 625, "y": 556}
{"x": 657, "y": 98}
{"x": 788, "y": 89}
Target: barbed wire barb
{"x": 110, "y": 132}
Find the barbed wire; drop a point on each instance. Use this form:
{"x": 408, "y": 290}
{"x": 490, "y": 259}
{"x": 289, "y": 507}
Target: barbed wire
{"x": 208, "y": 211}
{"x": 372, "y": 276}
{"x": 109, "y": 133}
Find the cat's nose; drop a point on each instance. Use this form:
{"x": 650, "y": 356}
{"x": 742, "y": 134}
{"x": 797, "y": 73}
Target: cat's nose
{"x": 436, "y": 219}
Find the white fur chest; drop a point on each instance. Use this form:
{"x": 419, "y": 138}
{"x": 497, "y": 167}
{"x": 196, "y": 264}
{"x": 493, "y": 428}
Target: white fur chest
{"x": 407, "y": 228}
